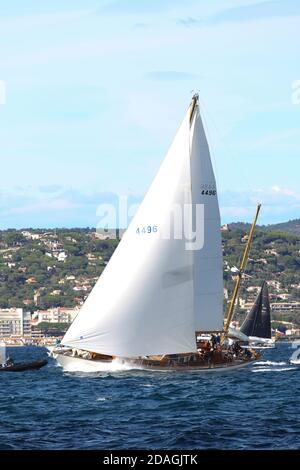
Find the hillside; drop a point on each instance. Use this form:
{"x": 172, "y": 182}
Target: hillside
{"x": 274, "y": 257}
{"x": 53, "y": 268}
{"x": 292, "y": 226}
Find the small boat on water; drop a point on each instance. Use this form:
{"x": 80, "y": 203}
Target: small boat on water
{"x": 22, "y": 366}
{"x": 163, "y": 287}
{"x": 257, "y": 324}
{"x": 8, "y": 365}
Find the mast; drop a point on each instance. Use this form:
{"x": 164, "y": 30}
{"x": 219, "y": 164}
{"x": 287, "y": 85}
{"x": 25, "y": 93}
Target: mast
{"x": 194, "y": 103}
{"x": 241, "y": 270}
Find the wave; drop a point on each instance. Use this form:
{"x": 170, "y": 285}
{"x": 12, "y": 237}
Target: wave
{"x": 273, "y": 369}
{"x": 71, "y": 364}
{"x": 270, "y": 363}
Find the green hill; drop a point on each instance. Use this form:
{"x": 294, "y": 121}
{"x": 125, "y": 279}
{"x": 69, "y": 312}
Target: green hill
{"x": 292, "y": 226}
{"x": 53, "y": 268}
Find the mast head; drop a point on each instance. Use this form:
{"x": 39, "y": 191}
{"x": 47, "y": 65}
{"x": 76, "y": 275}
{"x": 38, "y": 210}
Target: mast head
{"x": 194, "y": 103}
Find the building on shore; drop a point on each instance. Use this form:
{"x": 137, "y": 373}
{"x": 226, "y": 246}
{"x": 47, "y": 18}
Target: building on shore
{"x": 285, "y": 306}
{"x": 14, "y": 322}
{"x": 54, "y": 315}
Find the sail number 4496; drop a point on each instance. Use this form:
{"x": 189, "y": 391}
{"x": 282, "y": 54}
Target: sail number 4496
{"x": 209, "y": 192}
{"x": 147, "y": 229}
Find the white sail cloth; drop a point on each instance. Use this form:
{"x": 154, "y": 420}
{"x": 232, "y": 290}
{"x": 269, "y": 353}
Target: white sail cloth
{"x": 155, "y": 293}
{"x": 208, "y": 261}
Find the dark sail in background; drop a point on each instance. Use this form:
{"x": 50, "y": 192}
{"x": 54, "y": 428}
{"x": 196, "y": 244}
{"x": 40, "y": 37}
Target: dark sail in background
{"x": 258, "y": 321}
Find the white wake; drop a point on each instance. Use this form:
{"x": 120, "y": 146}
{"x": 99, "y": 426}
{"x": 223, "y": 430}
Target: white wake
{"x": 273, "y": 366}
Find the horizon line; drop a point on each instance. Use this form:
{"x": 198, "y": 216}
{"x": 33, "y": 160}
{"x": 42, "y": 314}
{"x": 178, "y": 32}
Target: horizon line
{"x": 88, "y": 227}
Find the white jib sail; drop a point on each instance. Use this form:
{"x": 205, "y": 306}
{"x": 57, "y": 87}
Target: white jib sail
{"x": 155, "y": 293}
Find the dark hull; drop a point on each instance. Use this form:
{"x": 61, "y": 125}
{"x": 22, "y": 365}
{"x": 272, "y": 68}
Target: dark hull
{"x": 22, "y": 366}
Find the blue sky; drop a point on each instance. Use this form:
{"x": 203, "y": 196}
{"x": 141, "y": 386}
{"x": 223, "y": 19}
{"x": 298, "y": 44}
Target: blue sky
{"x": 96, "y": 89}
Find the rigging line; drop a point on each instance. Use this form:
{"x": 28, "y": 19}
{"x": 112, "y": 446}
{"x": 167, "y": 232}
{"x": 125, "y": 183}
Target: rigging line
{"x": 230, "y": 150}
{"x": 209, "y": 138}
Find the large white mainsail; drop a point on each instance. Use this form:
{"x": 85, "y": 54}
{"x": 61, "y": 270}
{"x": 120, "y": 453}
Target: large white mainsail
{"x": 208, "y": 261}
{"x": 148, "y": 301}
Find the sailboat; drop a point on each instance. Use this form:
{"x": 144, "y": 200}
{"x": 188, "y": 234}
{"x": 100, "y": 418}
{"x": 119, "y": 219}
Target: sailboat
{"x": 7, "y": 364}
{"x": 257, "y": 324}
{"x": 163, "y": 286}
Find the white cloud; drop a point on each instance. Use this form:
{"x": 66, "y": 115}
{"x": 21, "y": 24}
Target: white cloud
{"x": 277, "y": 203}
{"x": 285, "y": 192}
{"x": 44, "y": 205}
{"x": 78, "y": 207}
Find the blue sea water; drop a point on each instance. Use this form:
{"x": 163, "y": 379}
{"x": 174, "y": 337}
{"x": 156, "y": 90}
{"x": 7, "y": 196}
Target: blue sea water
{"x": 253, "y": 408}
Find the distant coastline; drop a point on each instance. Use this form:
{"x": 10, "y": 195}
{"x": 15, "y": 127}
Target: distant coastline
{"x": 48, "y": 274}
